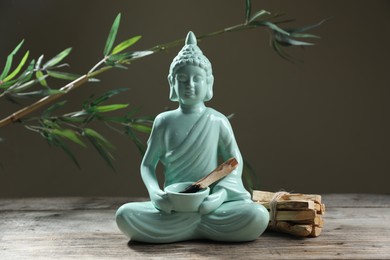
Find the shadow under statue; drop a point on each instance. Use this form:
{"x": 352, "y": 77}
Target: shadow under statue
{"x": 188, "y": 142}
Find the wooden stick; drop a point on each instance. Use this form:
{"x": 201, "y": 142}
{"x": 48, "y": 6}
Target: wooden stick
{"x": 295, "y": 214}
{"x": 296, "y": 205}
{"x": 220, "y": 172}
{"x": 291, "y": 215}
{"x": 293, "y": 205}
{"x": 316, "y": 221}
{"x": 296, "y": 230}
{"x": 316, "y": 231}
{"x": 267, "y": 196}
{"x": 322, "y": 208}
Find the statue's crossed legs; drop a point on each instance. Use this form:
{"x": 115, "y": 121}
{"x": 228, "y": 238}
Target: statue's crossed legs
{"x": 233, "y": 221}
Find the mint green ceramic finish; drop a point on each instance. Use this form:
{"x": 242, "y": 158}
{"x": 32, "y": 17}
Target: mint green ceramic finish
{"x": 188, "y": 142}
{"x": 185, "y": 202}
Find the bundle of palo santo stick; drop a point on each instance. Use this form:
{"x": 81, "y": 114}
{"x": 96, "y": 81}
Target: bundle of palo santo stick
{"x": 293, "y": 213}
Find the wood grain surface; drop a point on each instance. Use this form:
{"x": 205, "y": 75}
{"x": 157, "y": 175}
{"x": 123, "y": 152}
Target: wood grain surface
{"x": 356, "y": 226}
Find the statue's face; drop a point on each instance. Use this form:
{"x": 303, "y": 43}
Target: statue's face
{"x": 190, "y": 84}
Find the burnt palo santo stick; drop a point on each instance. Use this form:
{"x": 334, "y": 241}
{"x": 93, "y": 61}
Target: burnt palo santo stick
{"x": 220, "y": 172}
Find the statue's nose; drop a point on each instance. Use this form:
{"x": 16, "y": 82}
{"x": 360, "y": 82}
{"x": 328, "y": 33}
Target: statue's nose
{"x": 191, "y": 83}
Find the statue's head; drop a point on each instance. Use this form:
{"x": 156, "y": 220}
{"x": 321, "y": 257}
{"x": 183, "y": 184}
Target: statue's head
{"x": 190, "y": 61}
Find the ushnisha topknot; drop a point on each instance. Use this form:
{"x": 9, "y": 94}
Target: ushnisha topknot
{"x": 190, "y": 54}
{"x": 191, "y": 39}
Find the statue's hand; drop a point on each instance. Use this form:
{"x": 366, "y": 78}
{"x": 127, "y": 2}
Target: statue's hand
{"x": 212, "y": 202}
{"x": 161, "y": 201}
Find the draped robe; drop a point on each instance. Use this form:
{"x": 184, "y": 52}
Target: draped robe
{"x": 237, "y": 219}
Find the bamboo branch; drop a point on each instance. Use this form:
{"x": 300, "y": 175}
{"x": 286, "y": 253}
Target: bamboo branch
{"x": 15, "y": 117}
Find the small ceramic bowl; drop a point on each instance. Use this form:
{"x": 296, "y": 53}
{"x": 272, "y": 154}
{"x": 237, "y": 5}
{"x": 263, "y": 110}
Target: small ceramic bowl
{"x": 185, "y": 202}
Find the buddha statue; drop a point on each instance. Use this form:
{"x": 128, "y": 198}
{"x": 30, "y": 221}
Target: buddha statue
{"x": 188, "y": 142}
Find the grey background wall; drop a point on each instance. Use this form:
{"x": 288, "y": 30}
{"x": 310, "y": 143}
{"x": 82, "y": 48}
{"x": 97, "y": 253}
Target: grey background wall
{"x": 320, "y": 126}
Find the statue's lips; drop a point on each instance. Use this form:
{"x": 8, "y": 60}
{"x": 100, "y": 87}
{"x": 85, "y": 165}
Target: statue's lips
{"x": 189, "y": 93}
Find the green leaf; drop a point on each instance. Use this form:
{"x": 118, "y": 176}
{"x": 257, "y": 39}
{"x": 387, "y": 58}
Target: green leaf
{"x": 304, "y": 35}
{"x": 103, "y": 152}
{"x": 69, "y": 134}
{"x": 60, "y": 66}
{"x": 120, "y": 66}
{"x": 280, "y": 52}
{"x": 100, "y": 144}
{"x": 49, "y": 123}
{"x": 70, "y": 119}
{"x": 296, "y": 43}
{"x": 39, "y": 93}
{"x": 258, "y": 15}
{"x": 17, "y": 48}
{"x": 63, "y": 75}
{"x": 26, "y": 76}
{"x": 109, "y": 108}
{"x": 107, "y": 95}
{"x": 112, "y": 35}
{"x": 141, "y": 146}
{"x": 248, "y": 9}
{"x": 93, "y": 80}
{"x": 80, "y": 113}
{"x": 18, "y": 68}
{"x": 39, "y": 61}
{"x": 119, "y": 57}
{"x": 285, "y": 21}
{"x": 23, "y": 87}
{"x": 141, "y": 128}
{"x": 52, "y": 108}
{"x": 41, "y": 78}
{"x": 287, "y": 41}
{"x": 8, "y": 84}
{"x": 89, "y": 118}
{"x": 274, "y": 27}
{"x": 110, "y": 62}
{"x": 8, "y": 63}
{"x": 28, "y": 73}
{"x": 57, "y": 142}
{"x": 148, "y": 119}
{"x": 102, "y": 141}
{"x": 59, "y": 57}
{"x": 128, "y": 56}
{"x": 305, "y": 28}
{"x": 126, "y": 44}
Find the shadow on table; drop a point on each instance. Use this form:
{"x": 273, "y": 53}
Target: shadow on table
{"x": 210, "y": 248}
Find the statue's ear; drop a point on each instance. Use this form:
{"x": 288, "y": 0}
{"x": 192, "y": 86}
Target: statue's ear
{"x": 210, "y": 83}
{"x": 172, "y": 94}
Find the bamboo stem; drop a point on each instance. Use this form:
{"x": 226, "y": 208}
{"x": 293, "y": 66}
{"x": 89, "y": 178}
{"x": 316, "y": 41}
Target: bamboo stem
{"x": 15, "y": 117}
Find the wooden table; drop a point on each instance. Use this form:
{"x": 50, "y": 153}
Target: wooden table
{"x": 357, "y": 226}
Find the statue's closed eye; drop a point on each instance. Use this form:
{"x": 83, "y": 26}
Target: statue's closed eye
{"x": 182, "y": 77}
{"x": 198, "y": 78}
